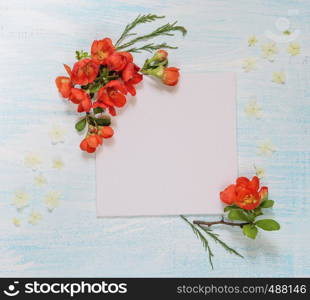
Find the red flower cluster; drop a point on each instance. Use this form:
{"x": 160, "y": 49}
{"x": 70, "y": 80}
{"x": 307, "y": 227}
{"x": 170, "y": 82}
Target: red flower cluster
{"x": 92, "y": 141}
{"x": 101, "y": 81}
{"x": 85, "y": 72}
{"x": 245, "y": 193}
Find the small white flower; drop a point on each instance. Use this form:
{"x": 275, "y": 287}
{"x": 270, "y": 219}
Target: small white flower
{"x": 16, "y": 221}
{"x": 34, "y": 218}
{"x": 266, "y": 148}
{"x": 20, "y": 199}
{"x": 293, "y": 49}
{"x": 252, "y": 109}
{"x": 249, "y": 64}
{"x": 32, "y": 160}
{"x": 278, "y": 77}
{"x": 252, "y": 40}
{"x": 260, "y": 172}
{"x": 40, "y": 180}
{"x": 269, "y": 50}
{"x": 52, "y": 200}
{"x": 57, "y": 134}
{"x": 58, "y": 163}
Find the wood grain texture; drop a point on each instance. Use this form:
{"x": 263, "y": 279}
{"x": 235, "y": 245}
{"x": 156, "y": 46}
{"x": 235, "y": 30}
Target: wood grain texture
{"x": 36, "y": 37}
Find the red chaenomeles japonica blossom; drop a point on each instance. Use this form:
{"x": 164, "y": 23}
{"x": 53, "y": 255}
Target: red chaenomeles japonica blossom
{"x": 111, "y": 95}
{"x": 119, "y": 60}
{"x": 84, "y": 71}
{"x": 244, "y": 193}
{"x": 101, "y": 50}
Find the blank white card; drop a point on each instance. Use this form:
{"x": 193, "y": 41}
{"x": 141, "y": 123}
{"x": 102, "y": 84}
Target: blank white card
{"x": 173, "y": 151}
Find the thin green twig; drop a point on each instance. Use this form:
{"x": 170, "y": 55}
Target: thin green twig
{"x": 151, "y": 47}
{"x": 165, "y": 30}
{"x": 202, "y": 238}
{"x": 215, "y": 237}
{"x": 141, "y": 19}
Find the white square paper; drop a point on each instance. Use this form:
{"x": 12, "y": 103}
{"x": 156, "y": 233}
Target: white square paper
{"x": 173, "y": 151}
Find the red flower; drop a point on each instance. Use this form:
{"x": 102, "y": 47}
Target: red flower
{"x": 245, "y": 193}
{"x": 119, "y": 60}
{"x": 171, "y": 76}
{"x": 131, "y": 76}
{"x": 80, "y": 97}
{"x": 101, "y": 50}
{"x": 84, "y": 71}
{"x": 91, "y": 143}
{"x": 106, "y": 132}
{"x": 64, "y": 86}
{"x": 229, "y": 195}
{"x": 111, "y": 95}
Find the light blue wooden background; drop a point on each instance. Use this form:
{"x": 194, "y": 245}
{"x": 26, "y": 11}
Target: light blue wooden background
{"x": 38, "y": 36}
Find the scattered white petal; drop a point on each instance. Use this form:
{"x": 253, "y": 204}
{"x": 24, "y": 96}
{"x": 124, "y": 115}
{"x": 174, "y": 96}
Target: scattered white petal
{"x": 20, "y": 200}
{"x": 252, "y": 40}
{"x": 57, "y": 134}
{"x": 252, "y": 109}
{"x": 34, "y": 218}
{"x": 293, "y": 49}
{"x": 269, "y": 50}
{"x": 32, "y": 160}
{"x": 249, "y": 64}
{"x": 40, "y": 180}
{"x": 52, "y": 200}
{"x": 266, "y": 148}
{"x": 278, "y": 77}
{"x": 58, "y": 163}
{"x": 16, "y": 221}
{"x": 260, "y": 172}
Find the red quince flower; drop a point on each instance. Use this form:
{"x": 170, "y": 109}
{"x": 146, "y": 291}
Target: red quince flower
{"x": 229, "y": 195}
{"x": 106, "y": 132}
{"x": 64, "y": 86}
{"x": 119, "y": 60}
{"x": 101, "y": 50}
{"x": 171, "y": 76}
{"x": 91, "y": 143}
{"x": 131, "y": 77}
{"x": 80, "y": 97}
{"x": 111, "y": 95}
{"x": 245, "y": 193}
{"x": 84, "y": 71}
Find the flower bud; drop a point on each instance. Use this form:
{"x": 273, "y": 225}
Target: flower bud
{"x": 171, "y": 76}
{"x": 160, "y": 55}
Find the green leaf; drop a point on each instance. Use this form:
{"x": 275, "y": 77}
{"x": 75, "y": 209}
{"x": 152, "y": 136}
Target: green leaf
{"x": 81, "y": 54}
{"x": 257, "y": 212}
{"x": 250, "y": 231}
{"x": 105, "y": 121}
{"x": 80, "y": 125}
{"x": 267, "y": 204}
{"x": 98, "y": 110}
{"x": 268, "y": 224}
{"x": 237, "y": 214}
{"x": 251, "y": 216}
{"x": 227, "y": 208}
